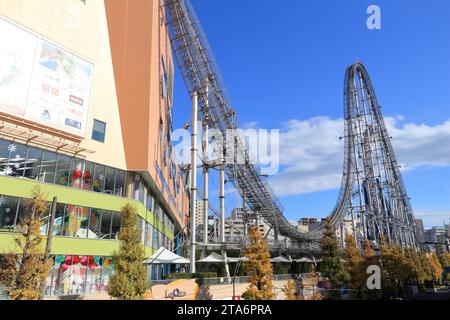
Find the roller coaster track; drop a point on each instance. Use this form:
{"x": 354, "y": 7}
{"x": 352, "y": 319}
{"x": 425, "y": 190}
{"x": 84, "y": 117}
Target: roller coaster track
{"x": 372, "y": 193}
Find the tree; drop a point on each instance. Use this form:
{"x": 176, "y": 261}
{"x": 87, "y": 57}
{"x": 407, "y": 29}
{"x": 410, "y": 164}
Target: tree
{"x": 23, "y": 273}
{"x": 354, "y": 264}
{"x": 203, "y": 292}
{"x": 289, "y": 290}
{"x": 258, "y": 267}
{"x": 412, "y": 267}
{"x": 424, "y": 270}
{"x": 388, "y": 278}
{"x": 398, "y": 267}
{"x": 444, "y": 259}
{"x": 331, "y": 258}
{"x": 436, "y": 268}
{"x": 129, "y": 281}
{"x": 316, "y": 295}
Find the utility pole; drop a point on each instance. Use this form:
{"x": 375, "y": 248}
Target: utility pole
{"x": 244, "y": 218}
{"x": 222, "y": 211}
{"x": 205, "y": 183}
{"x": 48, "y": 246}
{"x": 222, "y": 197}
{"x": 193, "y": 193}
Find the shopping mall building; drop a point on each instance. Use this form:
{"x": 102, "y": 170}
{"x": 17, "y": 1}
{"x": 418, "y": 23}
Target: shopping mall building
{"x": 86, "y": 92}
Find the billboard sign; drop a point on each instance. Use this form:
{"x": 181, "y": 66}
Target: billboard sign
{"x": 17, "y": 51}
{"x": 42, "y": 82}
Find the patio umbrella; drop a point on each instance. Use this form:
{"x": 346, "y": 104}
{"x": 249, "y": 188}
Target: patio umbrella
{"x": 213, "y": 257}
{"x": 164, "y": 256}
{"x": 280, "y": 259}
{"x": 304, "y": 259}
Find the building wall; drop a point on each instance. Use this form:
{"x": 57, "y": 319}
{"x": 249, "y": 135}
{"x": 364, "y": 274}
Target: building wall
{"x": 127, "y": 43}
{"x": 143, "y": 62}
{"x": 82, "y": 30}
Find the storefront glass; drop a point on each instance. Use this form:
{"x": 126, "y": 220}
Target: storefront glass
{"x": 79, "y": 275}
{"x": 19, "y": 160}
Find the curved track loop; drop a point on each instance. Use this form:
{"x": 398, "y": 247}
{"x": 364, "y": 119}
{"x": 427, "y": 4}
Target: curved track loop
{"x": 372, "y": 193}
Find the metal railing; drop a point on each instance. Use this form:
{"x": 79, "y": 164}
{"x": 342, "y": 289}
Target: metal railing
{"x": 228, "y": 281}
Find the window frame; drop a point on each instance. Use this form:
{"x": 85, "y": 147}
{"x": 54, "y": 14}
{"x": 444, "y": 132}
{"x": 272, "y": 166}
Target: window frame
{"x": 95, "y": 131}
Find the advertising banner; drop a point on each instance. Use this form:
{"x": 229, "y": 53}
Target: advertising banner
{"x": 17, "y": 52}
{"x": 43, "y": 82}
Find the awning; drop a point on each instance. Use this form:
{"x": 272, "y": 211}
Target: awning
{"x": 164, "y": 256}
{"x": 232, "y": 259}
{"x": 41, "y": 136}
{"x": 213, "y": 257}
{"x": 280, "y": 259}
{"x": 304, "y": 259}
{"x": 217, "y": 258}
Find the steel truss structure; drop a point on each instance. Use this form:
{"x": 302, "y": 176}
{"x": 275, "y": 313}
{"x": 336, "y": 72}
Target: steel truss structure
{"x": 372, "y": 193}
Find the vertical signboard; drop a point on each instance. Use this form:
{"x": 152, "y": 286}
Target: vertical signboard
{"x": 43, "y": 82}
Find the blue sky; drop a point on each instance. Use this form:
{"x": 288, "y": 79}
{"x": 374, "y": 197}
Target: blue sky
{"x": 284, "y": 62}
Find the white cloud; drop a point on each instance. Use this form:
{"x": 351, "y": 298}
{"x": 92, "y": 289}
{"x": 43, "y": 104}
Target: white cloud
{"x": 312, "y": 154}
{"x": 249, "y": 125}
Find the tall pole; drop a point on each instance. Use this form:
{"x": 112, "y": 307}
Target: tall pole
{"x": 244, "y": 218}
{"x": 205, "y": 184}
{"x": 48, "y": 246}
{"x": 222, "y": 212}
{"x": 205, "y": 172}
{"x": 222, "y": 198}
{"x": 193, "y": 178}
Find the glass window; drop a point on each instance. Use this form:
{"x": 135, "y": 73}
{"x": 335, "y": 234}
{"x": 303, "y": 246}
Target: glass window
{"x": 155, "y": 239}
{"x": 88, "y": 174}
{"x": 115, "y": 227}
{"x": 136, "y": 190}
{"x": 105, "y": 228}
{"x": 83, "y": 223}
{"x": 48, "y": 167}
{"x": 120, "y": 183}
{"x": 156, "y": 210}
{"x": 33, "y": 164}
{"x": 99, "y": 178}
{"x": 98, "y": 131}
{"x": 149, "y": 201}
{"x": 17, "y": 159}
{"x": 95, "y": 224}
{"x": 141, "y": 228}
{"x": 8, "y": 208}
{"x": 62, "y": 170}
{"x": 160, "y": 239}
{"x": 59, "y": 219}
{"x": 144, "y": 232}
{"x": 76, "y": 173}
{"x": 4, "y": 155}
{"x": 76, "y": 221}
{"x": 45, "y": 218}
{"x": 142, "y": 193}
{"x": 109, "y": 180}
{"x": 163, "y": 80}
{"x": 23, "y": 210}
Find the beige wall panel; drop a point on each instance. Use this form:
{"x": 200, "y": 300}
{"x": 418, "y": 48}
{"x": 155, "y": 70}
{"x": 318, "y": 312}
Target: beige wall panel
{"x": 81, "y": 29}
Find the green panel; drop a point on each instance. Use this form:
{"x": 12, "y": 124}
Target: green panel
{"x": 11, "y": 186}
{"x": 70, "y": 246}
